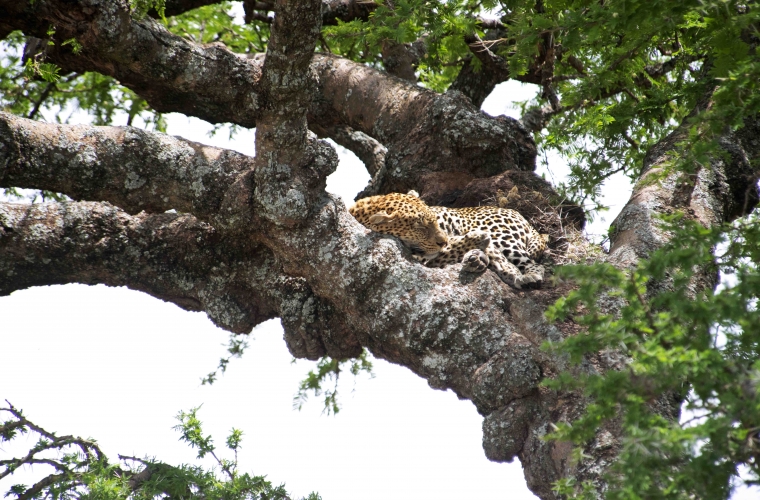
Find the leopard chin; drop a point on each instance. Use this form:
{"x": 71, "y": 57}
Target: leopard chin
{"x": 419, "y": 253}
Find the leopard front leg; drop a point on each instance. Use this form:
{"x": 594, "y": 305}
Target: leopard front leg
{"x": 468, "y": 249}
{"x": 533, "y": 271}
{"x": 513, "y": 264}
{"x": 508, "y": 272}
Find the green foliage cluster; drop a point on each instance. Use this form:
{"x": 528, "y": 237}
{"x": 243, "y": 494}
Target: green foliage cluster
{"x": 141, "y": 8}
{"x": 329, "y": 370}
{"x": 217, "y": 23}
{"x": 83, "y": 472}
{"x": 34, "y": 88}
{"x": 235, "y": 348}
{"x": 702, "y": 348}
{"x": 322, "y": 381}
{"x": 441, "y": 25}
{"x": 630, "y": 71}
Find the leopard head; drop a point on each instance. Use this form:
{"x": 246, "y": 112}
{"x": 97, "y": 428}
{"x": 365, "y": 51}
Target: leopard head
{"x": 405, "y": 216}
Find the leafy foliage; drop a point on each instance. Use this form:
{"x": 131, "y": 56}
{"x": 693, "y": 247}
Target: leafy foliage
{"x": 83, "y": 471}
{"x": 701, "y": 348}
{"x": 628, "y": 72}
{"x": 442, "y": 26}
{"x": 329, "y": 370}
{"x": 236, "y": 348}
{"x": 218, "y": 23}
{"x": 142, "y": 7}
{"x": 32, "y": 87}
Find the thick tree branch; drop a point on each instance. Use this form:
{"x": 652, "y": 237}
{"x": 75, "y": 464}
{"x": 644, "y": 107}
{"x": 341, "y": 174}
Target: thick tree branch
{"x": 289, "y": 174}
{"x": 715, "y": 193}
{"x": 169, "y": 256}
{"x": 416, "y": 125}
{"x": 402, "y": 59}
{"x": 172, "y": 257}
{"x": 371, "y": 152}
{"x": 171, "y": 73}
{"x": 132, "y": 168}
{"x": 478, "y": 84}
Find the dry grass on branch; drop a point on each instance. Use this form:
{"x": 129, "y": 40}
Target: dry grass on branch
{"x": 567, "y": 243}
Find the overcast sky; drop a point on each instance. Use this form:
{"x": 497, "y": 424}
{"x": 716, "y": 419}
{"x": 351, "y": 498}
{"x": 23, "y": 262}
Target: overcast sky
{"x": 117, "y": 365}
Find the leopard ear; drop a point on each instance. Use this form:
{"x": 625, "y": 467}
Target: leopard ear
{"x": 414, "y": 193}
{"x": 380, "y": 218}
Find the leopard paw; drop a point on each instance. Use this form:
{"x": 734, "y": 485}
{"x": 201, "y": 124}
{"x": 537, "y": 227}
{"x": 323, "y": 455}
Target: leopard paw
{"x": 511, "y": 279}
{"x": 528, "y": 279}
{"x": 475, "y": 261}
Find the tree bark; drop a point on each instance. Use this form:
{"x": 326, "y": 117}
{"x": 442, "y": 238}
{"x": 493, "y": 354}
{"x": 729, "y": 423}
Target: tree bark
{"x": 256, "y": 238}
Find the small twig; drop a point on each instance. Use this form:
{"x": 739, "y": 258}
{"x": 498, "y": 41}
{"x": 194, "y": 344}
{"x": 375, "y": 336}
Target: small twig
{"x": 696, "y": 417}
{"x": 134, "y": 459}
{"x": 41, "y": 485}
{"x": 630, "y": 141}
{"x": 43, "y": 97}
{"x": 323, "y": 43}
{"x": 631, "y": 95}
{"x": 225, "y": 467}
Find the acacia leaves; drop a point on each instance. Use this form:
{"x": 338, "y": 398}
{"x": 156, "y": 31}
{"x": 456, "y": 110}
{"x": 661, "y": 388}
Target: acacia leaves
{"x": 81, "y": 470}
{"x": 702, "y": 348}
{"x": 328, "y": 370}
{"x": 440, "y": 26}
{"x": 37, "y": 89}
{"x": 32, "y": 87}
{"x": 628, "y": 72}
{"x": 218, "y": 23}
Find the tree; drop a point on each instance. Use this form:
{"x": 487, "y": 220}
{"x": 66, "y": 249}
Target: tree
{"x": 670, "y": 99}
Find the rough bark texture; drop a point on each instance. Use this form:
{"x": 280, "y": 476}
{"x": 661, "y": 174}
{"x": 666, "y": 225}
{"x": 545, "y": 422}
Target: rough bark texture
{"x": 128, "y": 166}
{"x": 260, "y": 238}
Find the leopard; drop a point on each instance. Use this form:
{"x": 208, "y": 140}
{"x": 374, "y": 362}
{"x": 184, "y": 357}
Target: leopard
{"x": 481, "y": 238}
